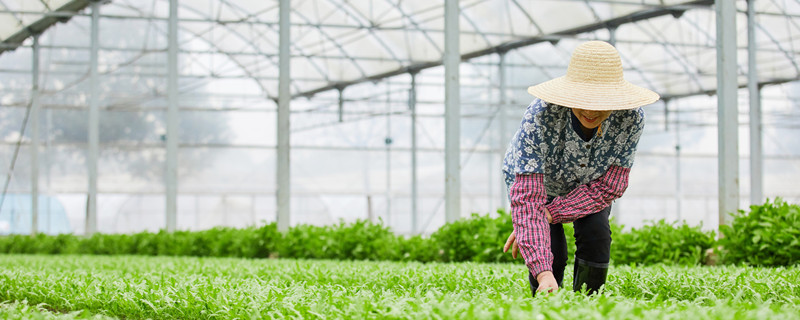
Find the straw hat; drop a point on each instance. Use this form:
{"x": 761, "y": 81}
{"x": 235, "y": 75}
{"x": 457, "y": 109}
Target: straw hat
{"x": 594, "y": 82}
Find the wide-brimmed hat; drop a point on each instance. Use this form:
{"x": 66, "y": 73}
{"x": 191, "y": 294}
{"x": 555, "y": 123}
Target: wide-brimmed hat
{"x": 594, "y": 82}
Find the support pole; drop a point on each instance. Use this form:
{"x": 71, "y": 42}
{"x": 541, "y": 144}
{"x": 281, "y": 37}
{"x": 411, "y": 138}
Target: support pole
{"x": 678, "y": 191}
{"x": 412, "y": 105}
{"x": 94, "y": 122}
{"x": 388, "y": 143}
{"x": 172, "y": 119}
{"x": 727, "y": 110}
{"x": 452, "y": 121}
{"x": 612, "y": 36}
{"x": 284, "y": 97}
{"x": 341, "y": 104}
{"x": 35, "y": 138}
{"x": 503, "y": 128}
{"x": 48, "y": 160}
{"x": 756, "y": 151}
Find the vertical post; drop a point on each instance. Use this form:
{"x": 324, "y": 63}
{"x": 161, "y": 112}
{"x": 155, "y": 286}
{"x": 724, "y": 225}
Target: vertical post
{"x": 35, "y": 138}
{"x": 756, "y": 152}
{"x": 94, "y": 122}
{"x": 224, "y": 209}
{"x": 412, "y": 105}
{"x": 678, "y": 192}
{"x": 172, "y": 119}
{"x": 341, "y": 104}
{"x": 47, "y": 162}
{"x": 388, "y": 143}
{"x": 503, "y": 127}
{"x": 370, "y": 214}
{"x": 283, "y": 191}
{"x": 727, "y": 109}
{"x": 452, "y": 125}
{"x": 612, "y": 36}
{"x": 253, "y": 210}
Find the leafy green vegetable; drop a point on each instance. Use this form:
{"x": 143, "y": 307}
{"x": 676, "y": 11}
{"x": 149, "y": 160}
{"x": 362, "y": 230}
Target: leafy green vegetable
{"x": 661, "y": 242}
{"x": 139, "y": 287}
{"x": 768, "y": 235}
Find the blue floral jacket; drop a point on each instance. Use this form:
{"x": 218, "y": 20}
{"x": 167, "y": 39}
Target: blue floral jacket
{"x": 546, "y": 143}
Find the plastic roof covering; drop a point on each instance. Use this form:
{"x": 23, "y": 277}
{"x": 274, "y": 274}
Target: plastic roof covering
{"x": 338, "y": 43}
{"x": 228, "y": 63}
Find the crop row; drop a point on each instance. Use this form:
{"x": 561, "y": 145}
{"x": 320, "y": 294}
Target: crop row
{"x": 477, "y": 239}
{"x": 225, "y": 288}
{"x": 768, "y": 235}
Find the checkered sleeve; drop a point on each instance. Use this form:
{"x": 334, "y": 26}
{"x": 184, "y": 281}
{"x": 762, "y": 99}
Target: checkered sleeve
{"x": 591, "y": 197}
{"x": 532, "y": 231}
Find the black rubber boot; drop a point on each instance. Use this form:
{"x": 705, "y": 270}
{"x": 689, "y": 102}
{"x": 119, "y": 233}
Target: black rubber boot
{"x": 590, "y": 274}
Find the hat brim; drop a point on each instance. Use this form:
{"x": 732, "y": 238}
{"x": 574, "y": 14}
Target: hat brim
{"x": 592, "y": 96}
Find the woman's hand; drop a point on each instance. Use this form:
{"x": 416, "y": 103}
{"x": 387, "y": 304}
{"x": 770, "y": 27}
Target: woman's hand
{"x": 512, "y": 243}
{"x": 547, "y": 282}
{"x": 512, "y": 239}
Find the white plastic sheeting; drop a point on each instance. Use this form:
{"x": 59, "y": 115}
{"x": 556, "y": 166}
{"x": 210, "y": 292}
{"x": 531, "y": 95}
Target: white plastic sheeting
{"x": 228, "y": 78}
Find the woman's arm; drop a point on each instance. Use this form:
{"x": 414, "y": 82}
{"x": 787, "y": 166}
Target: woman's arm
{"x": 591, "y": 197}
{"x": 598, "y": 194}
{"x": 528, "y": 197}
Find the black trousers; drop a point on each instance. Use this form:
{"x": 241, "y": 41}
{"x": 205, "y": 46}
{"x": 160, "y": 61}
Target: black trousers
{"x": 592, "y": 242}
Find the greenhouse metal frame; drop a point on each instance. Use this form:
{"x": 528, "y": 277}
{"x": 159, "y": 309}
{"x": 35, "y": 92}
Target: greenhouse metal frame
{"x": 355, "y": 62}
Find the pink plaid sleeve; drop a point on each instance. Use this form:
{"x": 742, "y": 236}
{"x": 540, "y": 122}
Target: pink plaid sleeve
{"x": 528, "y": 197}
{"x": 591, "y": 197}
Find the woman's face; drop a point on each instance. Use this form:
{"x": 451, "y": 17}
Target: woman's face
{"x": 591, "y": 119}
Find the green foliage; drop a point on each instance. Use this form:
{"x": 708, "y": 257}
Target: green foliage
{"x": 662, "y": 242}
{"x": 478, "y": 238}
{"x": 360, "y": 240}
{"x": 363, "y": 240}
{"x": 569, "y": 233}
{"x": 139, "y": 287}
{"x": 305, "y": 242}
{"x": 419, "y": 248}
{"x": 769, "y": 235}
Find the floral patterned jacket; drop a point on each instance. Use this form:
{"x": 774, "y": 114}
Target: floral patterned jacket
{"x": 546, "y": 143}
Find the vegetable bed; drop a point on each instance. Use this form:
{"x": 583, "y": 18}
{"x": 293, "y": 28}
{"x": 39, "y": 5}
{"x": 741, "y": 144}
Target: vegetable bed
{"x": 135, "y": 287}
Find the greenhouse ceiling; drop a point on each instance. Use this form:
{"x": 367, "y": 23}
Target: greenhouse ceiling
{"x": 668, "y": 46}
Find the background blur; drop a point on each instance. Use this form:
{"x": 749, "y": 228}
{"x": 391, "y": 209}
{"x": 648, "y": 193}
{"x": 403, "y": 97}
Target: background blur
{"x": 355, "y": 162}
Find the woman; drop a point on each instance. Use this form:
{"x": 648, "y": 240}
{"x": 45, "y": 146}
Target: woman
{"x": 568, "y": 161}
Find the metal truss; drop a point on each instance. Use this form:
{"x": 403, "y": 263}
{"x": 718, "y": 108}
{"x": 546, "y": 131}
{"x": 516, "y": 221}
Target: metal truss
{"x": 412, "y": 22}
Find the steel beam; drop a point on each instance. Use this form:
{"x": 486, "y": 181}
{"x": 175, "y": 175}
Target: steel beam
{"x": 94, "y": 122}
{"x": 452, "y": 122}
{"x": 34, "y": 118}
{"x": 503, "y": 127}
{"x": 172, "y": 119}
{"x": 678, "y": 179}
{"x": 756, "y": 152}
{"x": 412, "y": 105}
{"x": 284, "y": 97}
{"x": 612, "y": 36}
{"x": 727, "y": 109}
{"x": 45, "y": 22}
{"x": 341, "y": 105}
{"x": 388, "y": 144}
{"x": 510, "y": 45}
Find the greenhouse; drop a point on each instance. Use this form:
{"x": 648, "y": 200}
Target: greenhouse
{"x": 294, "y": 131}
